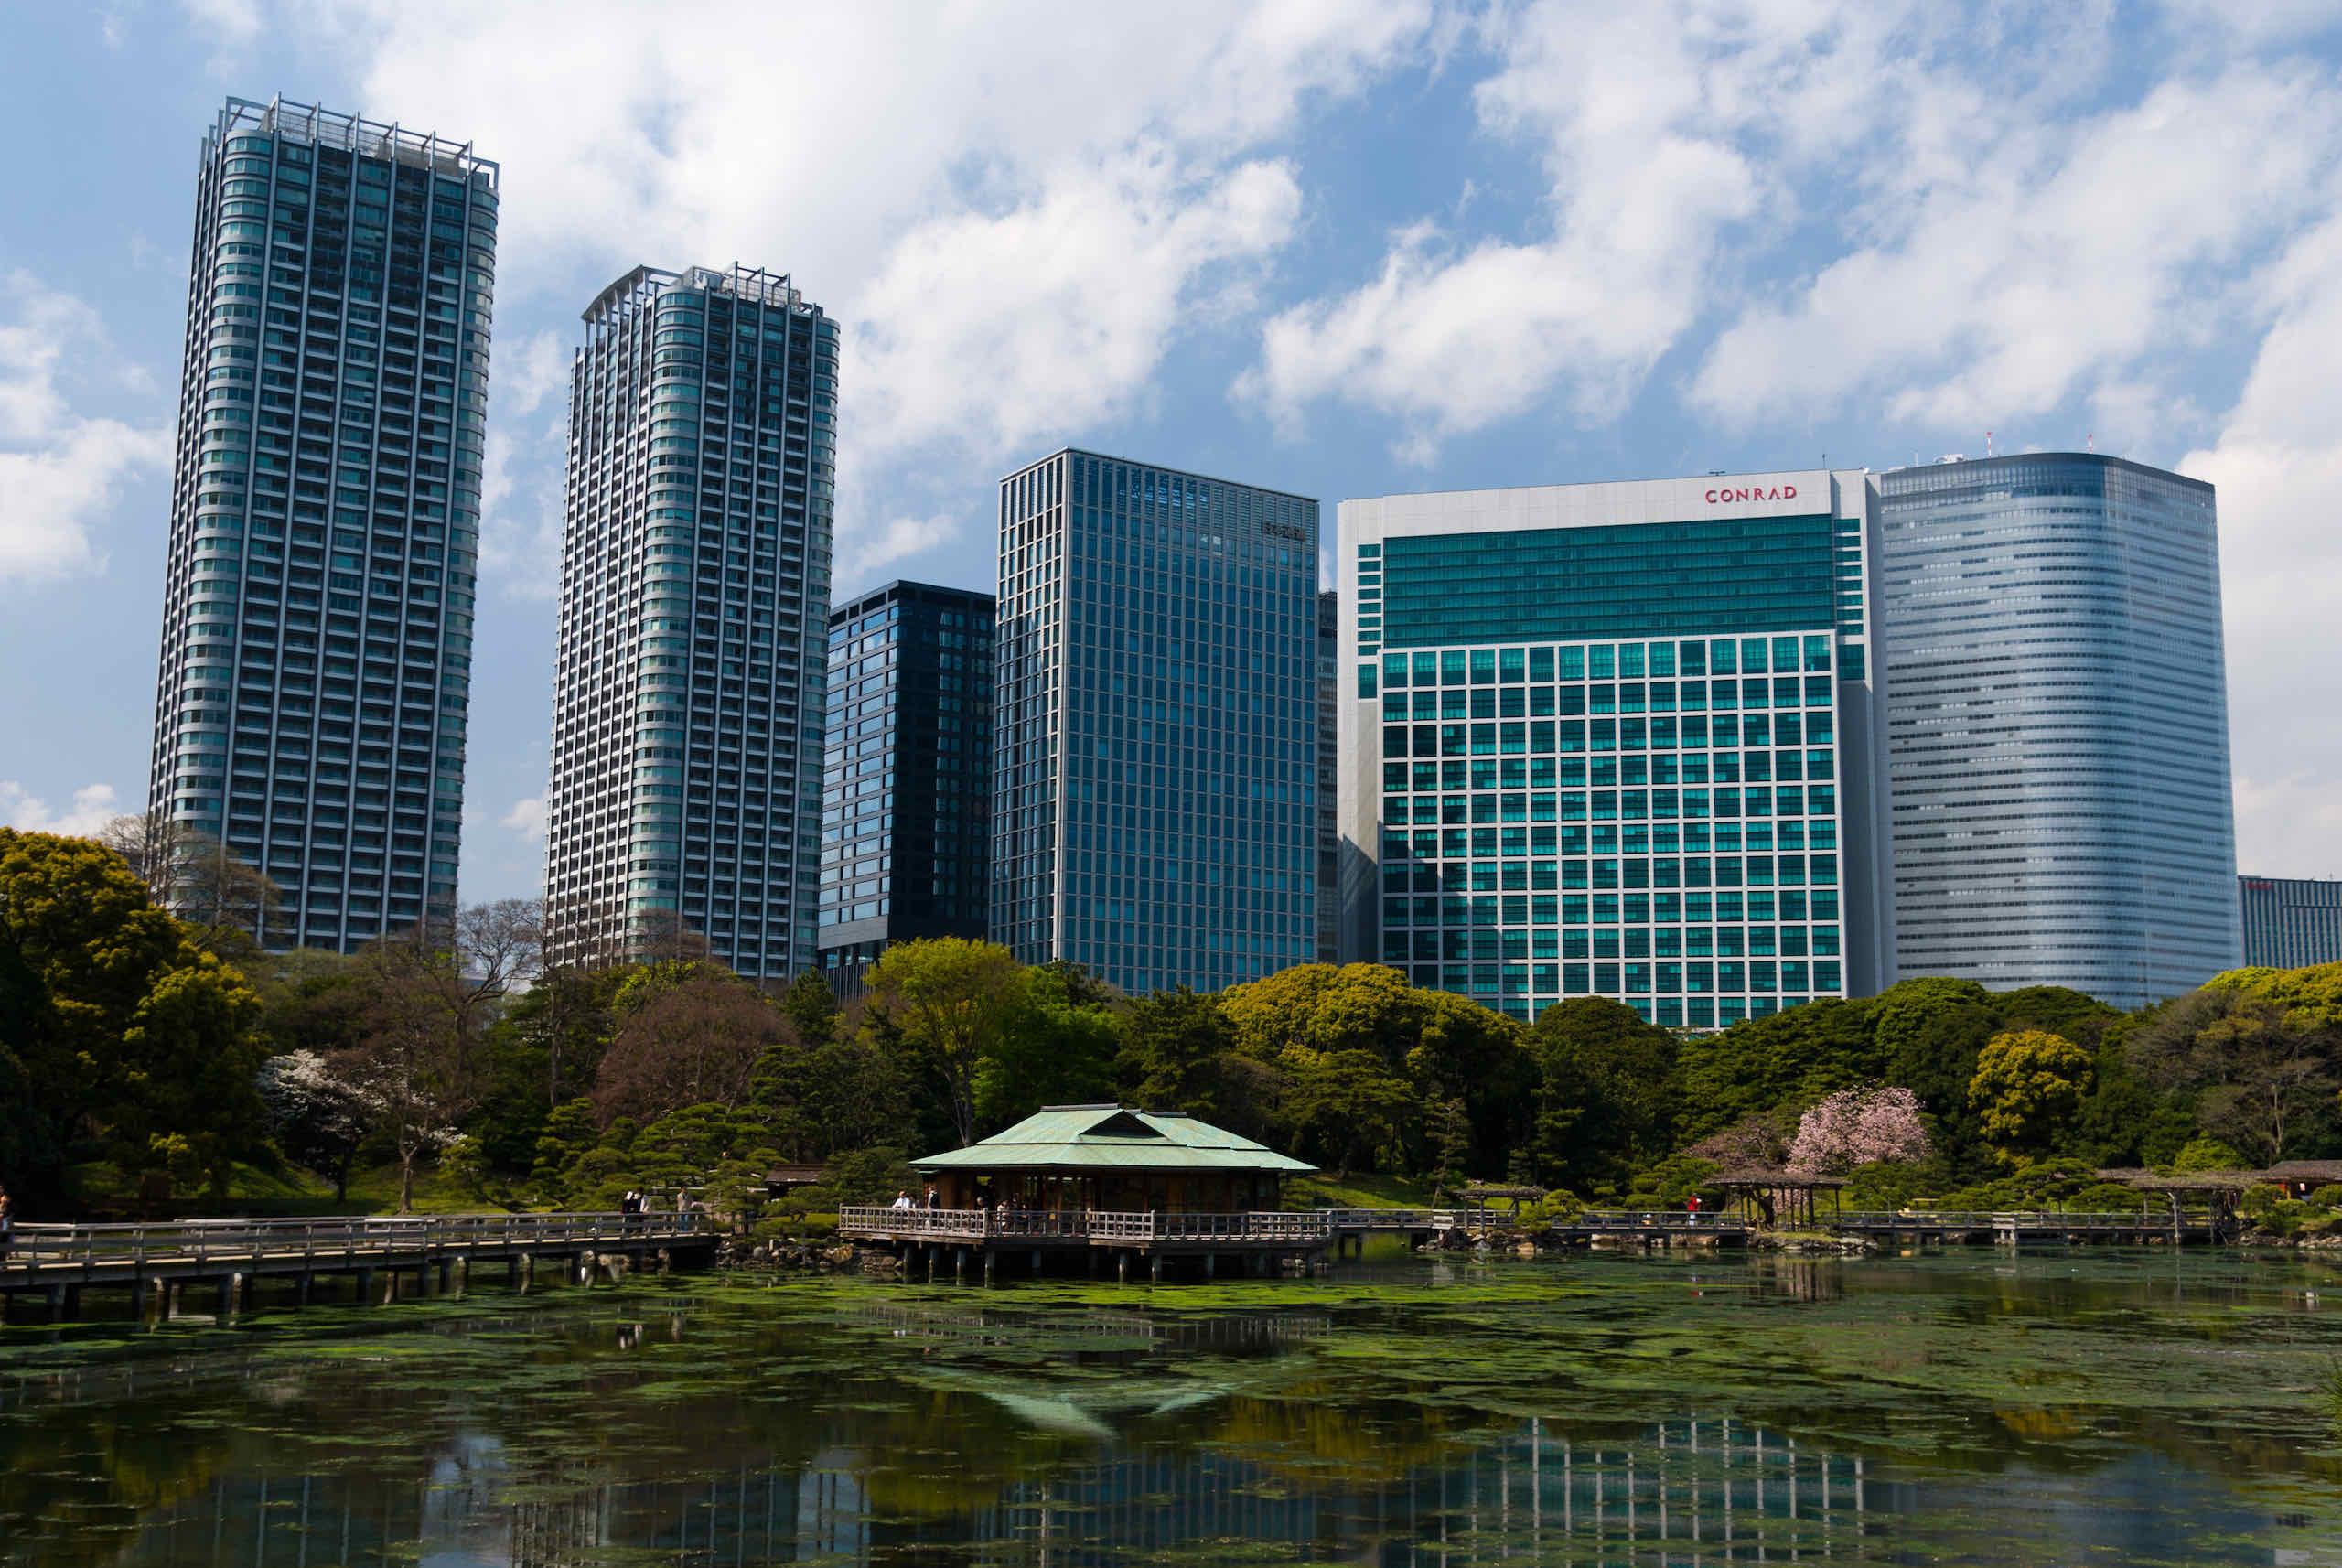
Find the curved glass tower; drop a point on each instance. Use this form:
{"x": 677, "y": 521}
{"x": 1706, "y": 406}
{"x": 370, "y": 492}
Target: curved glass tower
{"x": 2057, "y": 726}
{"x": 325, "y": 514}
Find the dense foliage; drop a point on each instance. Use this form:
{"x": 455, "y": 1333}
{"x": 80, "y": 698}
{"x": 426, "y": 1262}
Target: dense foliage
{"x": 143, "y": 1028}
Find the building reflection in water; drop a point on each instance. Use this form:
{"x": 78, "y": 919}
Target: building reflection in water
{"x": 1682, "y": 1492}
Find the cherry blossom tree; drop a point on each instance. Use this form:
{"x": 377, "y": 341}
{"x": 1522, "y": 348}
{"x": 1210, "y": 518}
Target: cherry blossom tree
{"x": 1858, "y": 1126}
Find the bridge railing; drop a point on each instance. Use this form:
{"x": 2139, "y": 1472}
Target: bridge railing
{"x": 338, "y": 1236}
{"x": 2040, "y": 1218}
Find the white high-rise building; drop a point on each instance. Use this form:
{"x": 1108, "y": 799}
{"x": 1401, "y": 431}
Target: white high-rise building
{"x": 687, "y": 739}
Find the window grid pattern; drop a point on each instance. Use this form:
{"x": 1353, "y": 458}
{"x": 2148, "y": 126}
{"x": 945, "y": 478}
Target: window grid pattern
{"x": 1157, "y": 750}
{"x": 315, "y": 677}
{"x": 2057, "y": 726}
{"x": 906, "y": 797}
{"x": 2290, "y": 922}
{"x": 689, "y": 667}
{"x": 1656, "y": 821}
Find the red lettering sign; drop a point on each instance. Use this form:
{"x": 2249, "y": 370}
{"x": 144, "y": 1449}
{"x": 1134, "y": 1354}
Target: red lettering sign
{"x": 1753, "y": 493}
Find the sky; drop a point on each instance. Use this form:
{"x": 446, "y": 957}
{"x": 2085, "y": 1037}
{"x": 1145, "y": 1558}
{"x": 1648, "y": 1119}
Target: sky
{"x": 1335, "y": 247}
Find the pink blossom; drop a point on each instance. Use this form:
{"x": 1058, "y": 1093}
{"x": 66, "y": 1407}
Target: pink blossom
{"x": 1856, "y": 1126}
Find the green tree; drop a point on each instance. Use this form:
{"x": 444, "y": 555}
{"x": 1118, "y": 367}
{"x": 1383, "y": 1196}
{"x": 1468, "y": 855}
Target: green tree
{"x": 2028, "y": 1086}
{"x": 812, "y": 1008}
{"x": 952, "y": 1003}
{"x": 1349, "y": 1103}
{"x": 127, "y": 1033}
{"x": 1605, "y": 1097}
{"x": 1173, "y": 1057}
{"x": 815, "y": 1101}
{"x": 1059, "y": 1051}
{"x": 2257, "y": 1053}
{"x": 1783, "y": 1063}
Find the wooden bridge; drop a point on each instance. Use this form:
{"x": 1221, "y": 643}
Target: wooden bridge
{"x": 229, "y": 1258}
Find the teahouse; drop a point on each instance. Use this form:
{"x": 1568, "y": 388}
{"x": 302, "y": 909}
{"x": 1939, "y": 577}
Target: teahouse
{"x": 1112, "y": 1158}
{"x": 1099, "y": 1182}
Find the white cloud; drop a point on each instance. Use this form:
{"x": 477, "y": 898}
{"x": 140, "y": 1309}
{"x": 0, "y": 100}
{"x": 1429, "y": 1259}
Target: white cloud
{"x": 899, "y": 539}
{"x": 94, "y": 805}
{"x": 529, "y": 372}
{"x": 521, "y": 514}
{"x": 2067, "y": 258}
{"x": 2278, "y": 465}
{"x": 1662, "y": 130}
{"x": 59, "y": 470}
{"x": 1014, "y": 218}
{"x": 989, "y": 332}
{"x": 527, "y": 817}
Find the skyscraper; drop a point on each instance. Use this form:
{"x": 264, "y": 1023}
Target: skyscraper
{"x": 906, "y": 796}
{"x": 1155, "y": 751}
{"x": 696, "y": 576}
{"x": 2057, "y": 726}
{"x": 2291, "y": 922}
{"x": 1329, "y": 751}
{"x": 325, "y": 514}
{"x": 1617, "y": 740}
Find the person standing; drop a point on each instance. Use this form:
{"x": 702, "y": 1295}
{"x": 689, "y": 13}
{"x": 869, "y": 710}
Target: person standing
{"x": 8, "y": 1221}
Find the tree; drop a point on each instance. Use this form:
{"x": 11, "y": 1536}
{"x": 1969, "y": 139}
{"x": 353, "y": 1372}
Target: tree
{"x": 317, "y": 1115}
{"x": 1059, "y": 1051}
{"x": 1859, "y": 1127}
{"x": 2257, "y": 1049}
{"x": 1349, "y": 1103}
{"x": 413, "y": 1063}
{"x": 689, "y": 1034}
{"x": 199, "y": 880}
{"x": 952, "y": 1002}
{"x": 1605, "y": 1102}
{"x": 2028, "y": 1085}
{"x": 1175, "y": 1045}
{"x": 816, "y": 1101}
{"x": 811, "y": 1008}
{"x": 543, "y": 1049}
{"x": 127, "y": 1033}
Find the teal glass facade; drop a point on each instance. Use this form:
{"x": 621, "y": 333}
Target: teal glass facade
{"x": 1156, "y": 740}
{"x": 1628, "y": 760}
{"x": 316, "y": 673}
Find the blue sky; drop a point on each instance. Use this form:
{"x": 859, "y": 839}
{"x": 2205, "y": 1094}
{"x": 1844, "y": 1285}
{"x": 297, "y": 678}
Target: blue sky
{"x": 1340, "y": 247}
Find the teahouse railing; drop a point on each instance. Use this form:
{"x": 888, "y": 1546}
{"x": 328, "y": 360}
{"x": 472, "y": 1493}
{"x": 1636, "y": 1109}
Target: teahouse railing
{"x": 1071, "y": 1224}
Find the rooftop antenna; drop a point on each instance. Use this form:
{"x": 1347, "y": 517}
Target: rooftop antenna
{"x": 1988, "y": 444}
{"x": 2090, "y": 443}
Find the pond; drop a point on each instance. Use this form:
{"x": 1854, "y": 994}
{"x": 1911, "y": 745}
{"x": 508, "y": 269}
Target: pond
{"x": 1962, "y": 1406}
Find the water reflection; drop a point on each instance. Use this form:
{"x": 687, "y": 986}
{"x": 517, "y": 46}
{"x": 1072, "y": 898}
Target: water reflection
{"x": 1629, "y": 1412}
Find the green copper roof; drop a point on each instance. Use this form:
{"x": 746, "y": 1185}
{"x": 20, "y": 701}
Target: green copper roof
{"x": 1114, "y": 1138}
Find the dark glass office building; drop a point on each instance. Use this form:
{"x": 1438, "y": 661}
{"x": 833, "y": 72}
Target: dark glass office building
{"x": 1156, "y": 803}
{"x": 907, "y": 795}
{"x": 317, "y": 609}
{"x": 687, "y": 744}
{"x": 2290, "y": 922}
{"x": 2057, "y": 726}
{"x": 1614, "y": 740}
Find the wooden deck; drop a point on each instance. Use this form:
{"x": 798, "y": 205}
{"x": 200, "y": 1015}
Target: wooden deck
{"x": 154, "y": 1262}
{"x": 1254, "y": 1243}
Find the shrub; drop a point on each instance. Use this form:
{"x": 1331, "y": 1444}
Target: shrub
{"x": 2326, "y": 1198}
